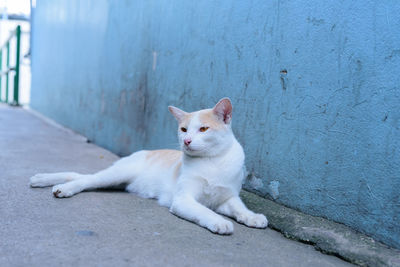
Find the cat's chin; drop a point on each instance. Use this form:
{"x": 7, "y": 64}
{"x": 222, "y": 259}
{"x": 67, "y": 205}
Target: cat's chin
{"x": 194, "y": 152}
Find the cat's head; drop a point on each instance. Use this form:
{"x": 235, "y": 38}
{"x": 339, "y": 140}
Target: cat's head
{"x": 207, "y": 132}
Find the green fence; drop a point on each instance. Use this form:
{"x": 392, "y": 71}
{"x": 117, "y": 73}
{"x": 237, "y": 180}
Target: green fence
{"x": 12, "y": 71}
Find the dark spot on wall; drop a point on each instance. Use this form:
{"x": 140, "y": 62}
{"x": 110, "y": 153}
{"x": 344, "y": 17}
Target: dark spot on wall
{"x": 359, "y": 65}
{"x": 283, "y": 78}
{"x": 137, "y": 110}
{"x": 326, "y": 162}
{"x": 246, "y": 86}
{"x": 261, "y": 76}
{"x": 315, "y": 21}
{"x": 394, "y": 53}
{"x": 322, "y": 108}
{"x": 385, "y": 118}
{"x": 238, "y": 52}
{"x": 226, "y": 68}
{"x": 357, "y": 80}
{"x": 142, "y": 90}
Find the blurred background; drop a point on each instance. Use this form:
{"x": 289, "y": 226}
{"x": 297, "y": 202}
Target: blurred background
{"x": 14, "y": 13}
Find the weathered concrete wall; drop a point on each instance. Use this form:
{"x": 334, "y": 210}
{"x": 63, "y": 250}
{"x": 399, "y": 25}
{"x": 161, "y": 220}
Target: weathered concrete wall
{"x": 315, "y": 87}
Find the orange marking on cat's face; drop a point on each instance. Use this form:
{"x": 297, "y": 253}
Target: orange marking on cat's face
{"x": 186, "y": 120}
{"x": 209, "y": 119}
{"x": 166, "y": 157}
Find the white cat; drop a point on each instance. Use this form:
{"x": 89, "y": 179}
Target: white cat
{"x": 196, "y": 183}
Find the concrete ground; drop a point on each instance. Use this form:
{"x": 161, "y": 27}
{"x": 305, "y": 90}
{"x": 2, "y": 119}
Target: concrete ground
{"x": 109, "y": 228}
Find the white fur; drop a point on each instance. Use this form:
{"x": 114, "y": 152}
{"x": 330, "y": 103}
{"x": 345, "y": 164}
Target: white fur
{"x": 209, "y": 181}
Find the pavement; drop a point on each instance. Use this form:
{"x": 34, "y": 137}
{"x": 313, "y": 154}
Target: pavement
{"x": 326, "y": 236}
{"x": 109, "y": 227}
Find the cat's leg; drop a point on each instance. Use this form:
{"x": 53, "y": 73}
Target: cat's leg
{"x": 188, "y": 208}
{"x": 110, "y": 177}
{"x": 235, "y": 208}
{"x": 185, "y": 205}
{"x": 50, "y": 179}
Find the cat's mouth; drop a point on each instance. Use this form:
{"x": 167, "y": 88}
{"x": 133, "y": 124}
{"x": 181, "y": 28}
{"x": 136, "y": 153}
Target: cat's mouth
{"x": 191, "y": 149}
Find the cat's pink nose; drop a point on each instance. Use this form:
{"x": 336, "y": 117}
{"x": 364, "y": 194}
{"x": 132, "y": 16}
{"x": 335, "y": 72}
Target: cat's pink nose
{"x": 187, "y": 141}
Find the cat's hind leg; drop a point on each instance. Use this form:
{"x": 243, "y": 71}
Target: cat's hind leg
{"x": 50, "y": 179}
{"x": 111, "y": 177}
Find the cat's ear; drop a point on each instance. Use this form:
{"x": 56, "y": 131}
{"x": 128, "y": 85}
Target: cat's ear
{"x": 223, "y": 109}
{"x": 178, "y": 113}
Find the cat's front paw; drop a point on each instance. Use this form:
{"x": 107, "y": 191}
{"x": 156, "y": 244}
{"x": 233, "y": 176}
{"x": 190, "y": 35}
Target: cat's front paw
{"x": 222, "y": 227}
{"x": 62, "y": 190}
{"x": 253, "y": 220}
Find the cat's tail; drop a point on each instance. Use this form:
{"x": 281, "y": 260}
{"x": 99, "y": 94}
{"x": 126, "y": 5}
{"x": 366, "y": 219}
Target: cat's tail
{"x": 50, "y": 179}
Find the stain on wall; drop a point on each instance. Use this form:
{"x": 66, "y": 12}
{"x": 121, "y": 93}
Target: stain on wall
{"x": 315, "y": 87}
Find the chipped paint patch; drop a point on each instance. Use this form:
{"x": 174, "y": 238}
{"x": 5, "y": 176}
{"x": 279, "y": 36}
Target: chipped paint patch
{"x": 256, "y": 183}
{"x": 274, "y": 189}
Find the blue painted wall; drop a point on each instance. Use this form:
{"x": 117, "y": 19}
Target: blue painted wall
{"x": 315, "y": 87}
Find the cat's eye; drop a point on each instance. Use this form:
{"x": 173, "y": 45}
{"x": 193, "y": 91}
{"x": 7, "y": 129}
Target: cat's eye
{"x": 203, "y": 129}
{"x": 183, "y": 129}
